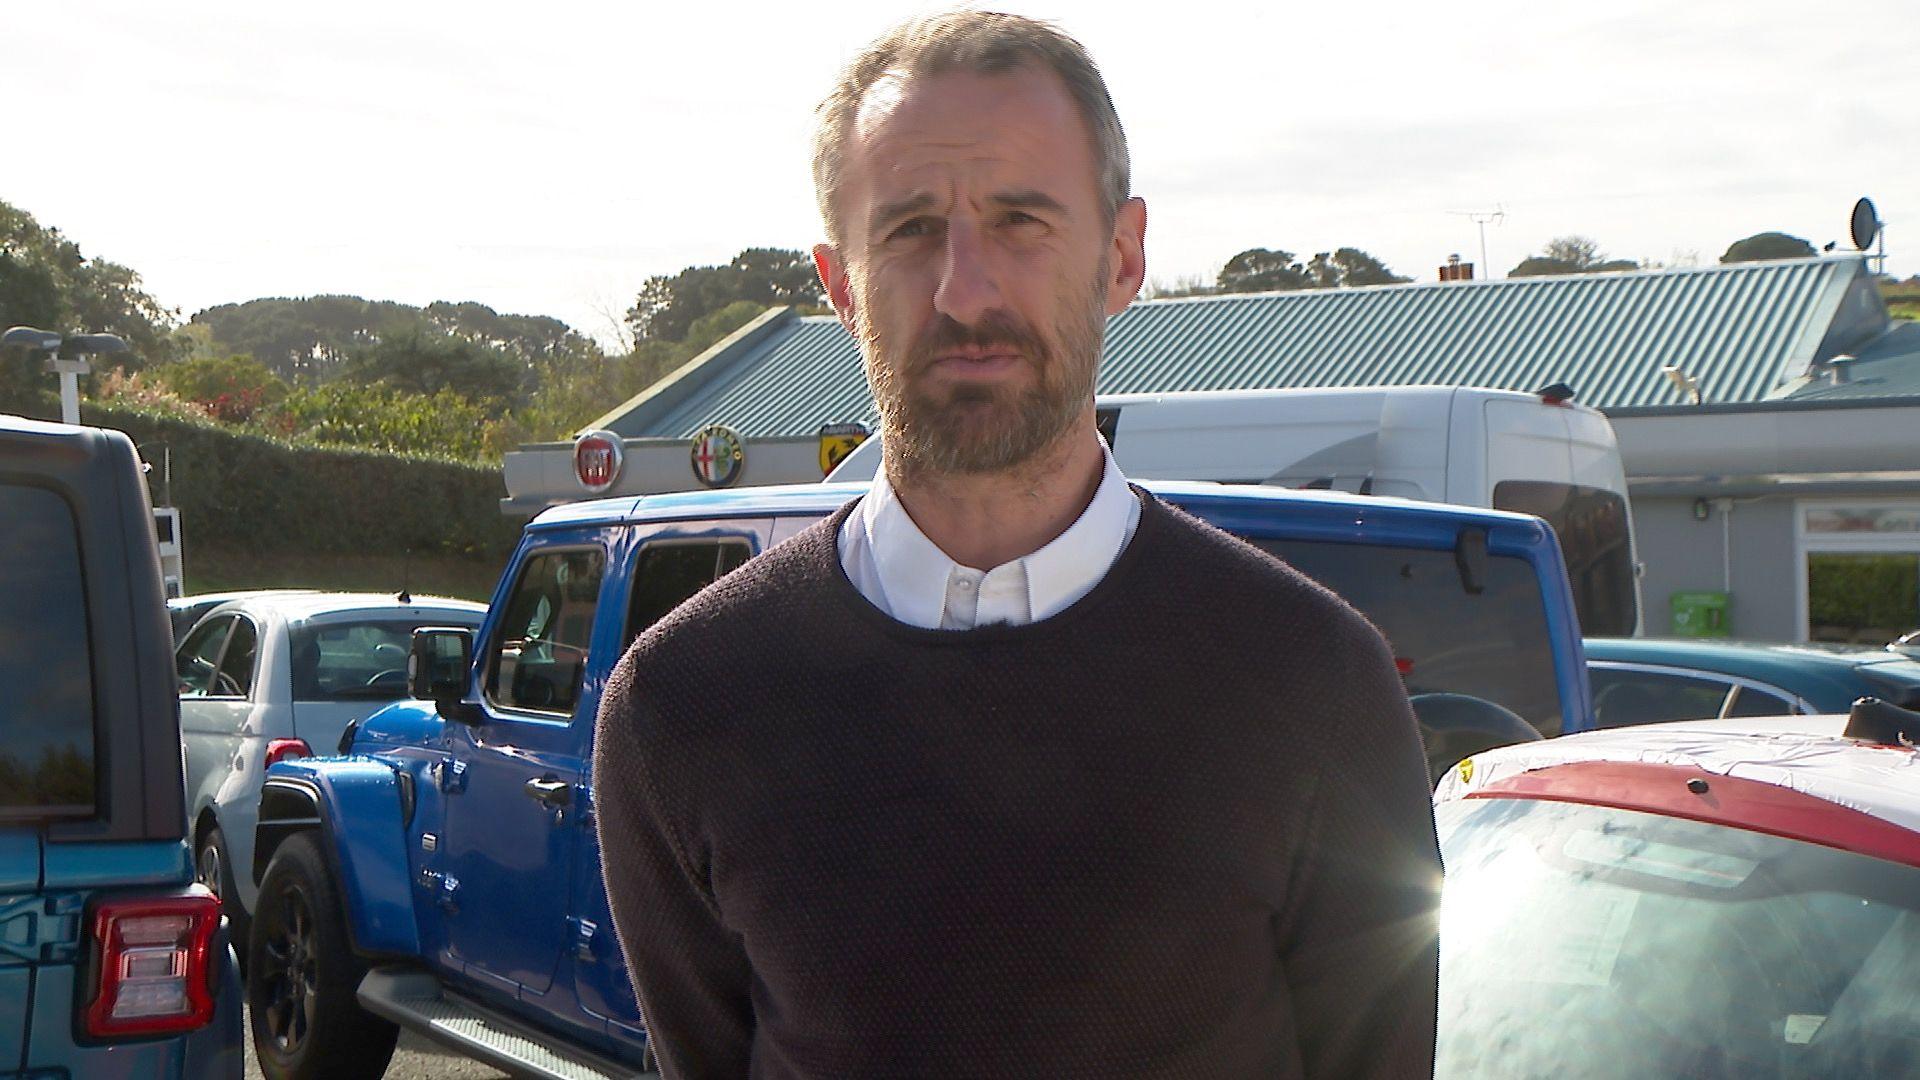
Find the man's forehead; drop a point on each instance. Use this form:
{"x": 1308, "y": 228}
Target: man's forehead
{"x": 913, "y": 99}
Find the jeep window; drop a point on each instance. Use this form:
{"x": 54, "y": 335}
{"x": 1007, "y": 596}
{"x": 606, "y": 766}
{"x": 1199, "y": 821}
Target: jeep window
{"x": 1592, "y": 526}
{"x": 364, "y": 660}
{"x": 1492, "y": 644}
{"x": 670, "y": 572}
{"x": 541, "y": 654}
{"x": 46, "y": 708}
{"x": 198, "y": 662}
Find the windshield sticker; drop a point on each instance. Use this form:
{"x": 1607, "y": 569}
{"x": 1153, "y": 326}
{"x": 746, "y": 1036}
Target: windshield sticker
{"x": 1617, "y": 851}
{"x": 1592, "y": 931}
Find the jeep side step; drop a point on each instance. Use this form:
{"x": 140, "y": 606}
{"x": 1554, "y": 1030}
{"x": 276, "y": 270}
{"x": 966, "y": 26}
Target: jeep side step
{"x": 416, "y": 1001}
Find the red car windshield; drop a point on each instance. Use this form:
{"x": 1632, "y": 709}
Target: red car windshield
{"x": 1605, "y": 942}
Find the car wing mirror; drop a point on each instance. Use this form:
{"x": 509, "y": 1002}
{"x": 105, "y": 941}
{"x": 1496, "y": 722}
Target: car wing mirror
{"x": 438, "y": 665}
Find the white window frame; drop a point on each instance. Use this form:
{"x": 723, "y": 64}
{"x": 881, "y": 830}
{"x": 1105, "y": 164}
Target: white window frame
{"x": 1806, "y": 543}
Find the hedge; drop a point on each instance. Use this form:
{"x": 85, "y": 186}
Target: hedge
{"x": 248, "y": 492}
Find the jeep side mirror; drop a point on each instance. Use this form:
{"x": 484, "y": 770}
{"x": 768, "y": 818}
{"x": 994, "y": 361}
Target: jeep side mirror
{"x": 437, "y": 667}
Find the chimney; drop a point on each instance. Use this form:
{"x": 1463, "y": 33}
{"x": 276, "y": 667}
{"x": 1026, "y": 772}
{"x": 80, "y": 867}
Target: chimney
{"x": 1455, "y": 270}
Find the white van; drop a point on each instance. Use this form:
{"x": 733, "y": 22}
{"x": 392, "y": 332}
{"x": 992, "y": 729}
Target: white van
{"x": 1539, "y": 454}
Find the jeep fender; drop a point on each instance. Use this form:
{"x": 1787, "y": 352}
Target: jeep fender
{"x": 338, "y": 798}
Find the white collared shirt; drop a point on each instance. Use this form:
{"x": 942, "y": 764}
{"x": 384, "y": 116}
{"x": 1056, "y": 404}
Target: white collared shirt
{"x": 906, "y": 575}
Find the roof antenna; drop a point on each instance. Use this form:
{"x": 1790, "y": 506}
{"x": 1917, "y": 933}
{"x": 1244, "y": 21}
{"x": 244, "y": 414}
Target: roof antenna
{"x": 1480, "y": 217}
{"x": 406, "y": 575}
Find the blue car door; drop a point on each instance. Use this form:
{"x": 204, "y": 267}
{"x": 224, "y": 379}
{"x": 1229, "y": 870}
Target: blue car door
{"x": 668, "y": 564}
{"x": 511, "y": 785}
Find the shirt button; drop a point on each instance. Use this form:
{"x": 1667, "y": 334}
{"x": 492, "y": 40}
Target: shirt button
{"x": 963, "y": 585}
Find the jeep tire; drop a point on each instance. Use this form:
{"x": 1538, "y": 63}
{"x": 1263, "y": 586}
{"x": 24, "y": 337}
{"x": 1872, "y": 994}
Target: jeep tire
{"x": 302, "y": 976}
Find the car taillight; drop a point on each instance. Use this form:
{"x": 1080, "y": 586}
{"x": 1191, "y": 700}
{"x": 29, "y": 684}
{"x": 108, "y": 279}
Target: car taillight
{"x": 287, "y": 750}
{"x": 152, "y": 961}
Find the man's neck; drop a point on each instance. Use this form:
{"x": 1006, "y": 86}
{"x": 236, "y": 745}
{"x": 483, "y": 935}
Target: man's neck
{"x": 988, "y": 519}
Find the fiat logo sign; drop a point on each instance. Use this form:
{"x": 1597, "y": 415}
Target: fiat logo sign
{"x": 597, "y": 456}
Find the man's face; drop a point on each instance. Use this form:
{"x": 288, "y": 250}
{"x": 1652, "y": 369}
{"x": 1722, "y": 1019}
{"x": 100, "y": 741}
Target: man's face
{"x": 978, "y": 265}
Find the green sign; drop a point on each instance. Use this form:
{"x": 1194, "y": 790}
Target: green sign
{"x": 1700, "y": 614}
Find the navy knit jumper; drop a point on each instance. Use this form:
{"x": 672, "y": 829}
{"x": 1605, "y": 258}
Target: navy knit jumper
{"x": 1179, "y": 829}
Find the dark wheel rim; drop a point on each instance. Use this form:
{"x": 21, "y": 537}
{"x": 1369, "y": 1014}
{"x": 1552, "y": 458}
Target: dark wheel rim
{"x": 287, "y": 972}
{"x": 207, "y": 868}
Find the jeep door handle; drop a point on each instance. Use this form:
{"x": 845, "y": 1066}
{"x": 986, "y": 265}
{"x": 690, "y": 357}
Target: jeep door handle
{"x": 550, "y": 792}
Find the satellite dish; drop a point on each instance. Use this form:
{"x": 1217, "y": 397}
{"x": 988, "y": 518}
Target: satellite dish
{"x": 1866, "y": 224}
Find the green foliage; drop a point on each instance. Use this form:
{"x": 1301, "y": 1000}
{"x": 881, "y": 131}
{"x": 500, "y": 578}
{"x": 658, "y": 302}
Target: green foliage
{"x": 1570, "y": 255}
{"x": 1867, "y": 598}
{"x": 1902, "y": 297}
{"x": 310, "y": 339}
{"x": 46, "y": 281}
{"x": 231, "y": 388}
{"x": 1263, "y": 270}
{"x": 255, "y": 494}
{"x": 443, "y": 424}
{"x": 1768, "y": 245}
{"x": 422, "y": 361}
{"x": 668, "y": 307}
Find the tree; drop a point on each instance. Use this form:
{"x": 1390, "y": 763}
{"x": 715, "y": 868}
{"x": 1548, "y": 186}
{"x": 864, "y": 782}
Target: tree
{"x": 232, "y": 388}
{"x": 1761, "y": 247}
{"x": 667, "y": 307}
{"x": 1570, "y": 255}
{"x": 46, "y": 281}
{"x": 419, "y": 361}
{"x": 1263, "y": 270}
{"x": 1350, "y": 267}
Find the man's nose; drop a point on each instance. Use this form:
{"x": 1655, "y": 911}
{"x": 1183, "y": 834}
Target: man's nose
{"x": 968, "y": 285}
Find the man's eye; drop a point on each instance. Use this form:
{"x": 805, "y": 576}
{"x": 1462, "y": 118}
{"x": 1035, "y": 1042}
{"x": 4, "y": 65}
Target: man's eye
{"x": 1021, "y": 217}
{"x": 909, "y": 230}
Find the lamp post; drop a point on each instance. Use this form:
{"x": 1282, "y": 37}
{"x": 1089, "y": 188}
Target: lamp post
{"x": 67, "y": 359}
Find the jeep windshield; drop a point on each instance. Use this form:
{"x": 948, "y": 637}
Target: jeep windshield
{"x": 46, "y": 708}
{"x": 1491, "y": 644}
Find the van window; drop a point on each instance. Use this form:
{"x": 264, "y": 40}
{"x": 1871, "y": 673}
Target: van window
{"x": 46, "y": 670}
{"x": 1492, "y": 644}
{"x": 1592, "y": 526}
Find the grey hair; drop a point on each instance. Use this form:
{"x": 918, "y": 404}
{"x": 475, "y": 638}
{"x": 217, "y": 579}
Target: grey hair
{"x": 985, "y": 43}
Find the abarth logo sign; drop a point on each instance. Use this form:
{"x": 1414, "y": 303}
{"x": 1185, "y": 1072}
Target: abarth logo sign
{"x": 837, "y": 441}
{"x": 718, "y": 456}
{"x": 597, "y": 457}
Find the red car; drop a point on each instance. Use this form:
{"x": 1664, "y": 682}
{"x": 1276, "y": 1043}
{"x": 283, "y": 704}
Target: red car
{"x": 1732, "y": 898}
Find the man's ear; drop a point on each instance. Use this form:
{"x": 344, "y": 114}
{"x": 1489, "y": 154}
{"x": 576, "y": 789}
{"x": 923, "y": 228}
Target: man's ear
{"x": 833, "y": 278}
{"x": 1128, "y": 265}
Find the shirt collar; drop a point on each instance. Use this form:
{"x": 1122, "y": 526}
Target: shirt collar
{"x": 913, "y": 571}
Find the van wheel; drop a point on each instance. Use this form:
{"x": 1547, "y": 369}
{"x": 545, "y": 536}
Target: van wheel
{"x": 213, "y": 868}
{"x": 307, "y": 1024}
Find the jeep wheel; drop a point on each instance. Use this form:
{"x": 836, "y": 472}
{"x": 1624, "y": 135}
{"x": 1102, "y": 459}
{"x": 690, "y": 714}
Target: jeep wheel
{"x": 213, "y": 868}
{"x": 302, "y": 977}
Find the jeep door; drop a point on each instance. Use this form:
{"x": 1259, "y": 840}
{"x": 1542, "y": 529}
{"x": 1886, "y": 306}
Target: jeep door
{"x": 666, "y": 564}
{"x": 511, "y": 780}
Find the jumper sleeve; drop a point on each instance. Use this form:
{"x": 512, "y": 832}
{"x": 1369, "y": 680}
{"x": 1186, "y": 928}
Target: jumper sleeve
{"x": 689, "y": 971}
{"x": 1361, "y": 936}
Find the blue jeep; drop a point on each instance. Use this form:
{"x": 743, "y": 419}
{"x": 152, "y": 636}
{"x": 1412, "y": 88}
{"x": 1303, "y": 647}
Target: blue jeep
{"x": 443, "y": 875}
{"x": 113, "y": 963}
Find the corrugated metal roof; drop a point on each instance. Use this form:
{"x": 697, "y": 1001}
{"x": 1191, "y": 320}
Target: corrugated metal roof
{"x": 1740, "y": 330}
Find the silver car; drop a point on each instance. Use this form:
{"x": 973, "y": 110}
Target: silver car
{"x": 280, "y": 675}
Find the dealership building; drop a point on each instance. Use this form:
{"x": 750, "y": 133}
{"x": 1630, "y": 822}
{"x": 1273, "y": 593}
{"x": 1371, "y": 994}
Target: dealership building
{"x": 1768, "y": 414}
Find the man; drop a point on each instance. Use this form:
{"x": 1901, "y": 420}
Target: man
{"x": 1007, "y": 768}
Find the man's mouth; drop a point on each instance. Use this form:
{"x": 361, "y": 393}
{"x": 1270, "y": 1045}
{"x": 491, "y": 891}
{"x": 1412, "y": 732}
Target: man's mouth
{"x": 975, "y": 362}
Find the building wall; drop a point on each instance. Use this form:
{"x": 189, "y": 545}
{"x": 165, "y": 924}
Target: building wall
{"x": 1682, "y": 554}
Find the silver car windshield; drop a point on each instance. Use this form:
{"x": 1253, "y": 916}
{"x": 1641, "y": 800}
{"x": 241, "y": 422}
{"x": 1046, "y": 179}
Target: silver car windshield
{"x": 1637, "y": 945}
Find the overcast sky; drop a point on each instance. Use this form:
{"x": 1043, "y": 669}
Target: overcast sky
{"x": 547, "y": 158}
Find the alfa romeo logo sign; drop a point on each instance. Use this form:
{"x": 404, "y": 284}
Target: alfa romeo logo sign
{"x": 718, "y": 456}
{"x": 597, "y": 456}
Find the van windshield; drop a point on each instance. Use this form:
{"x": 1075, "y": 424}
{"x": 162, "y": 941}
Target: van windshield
{"x": 46, "y": 707}
{"x": 1592, "y": 526}
{"x": 1491, "y": 645}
